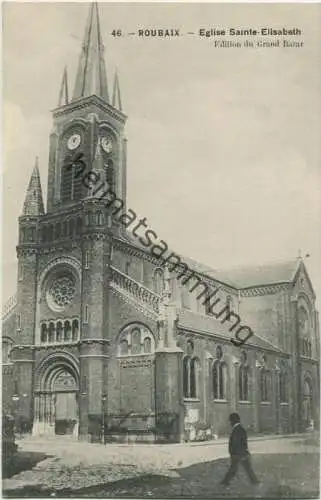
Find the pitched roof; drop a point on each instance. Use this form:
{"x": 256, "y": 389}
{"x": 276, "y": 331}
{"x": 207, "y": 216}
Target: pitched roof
{"x": 265, "y": 274}
{"x": 209, "y": 325}
{"x": 237, "y": 277}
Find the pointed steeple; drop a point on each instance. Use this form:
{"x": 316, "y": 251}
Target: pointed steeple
{"x": 116, "y": 93}
{"x": 33, "y": 204}
{"x": 63, "y": 94}
{"x": 91, "y": 75}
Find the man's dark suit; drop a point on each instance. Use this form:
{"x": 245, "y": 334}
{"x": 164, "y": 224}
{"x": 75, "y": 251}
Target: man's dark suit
{"x": 239, "y": 452}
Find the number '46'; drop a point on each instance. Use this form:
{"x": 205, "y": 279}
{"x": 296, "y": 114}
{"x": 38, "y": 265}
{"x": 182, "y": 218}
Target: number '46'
{"x": 116, "y": 33}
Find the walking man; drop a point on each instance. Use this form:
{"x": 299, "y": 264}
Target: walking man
{"x": 239, "y": 452}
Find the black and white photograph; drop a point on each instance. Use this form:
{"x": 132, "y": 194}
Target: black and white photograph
{"x": 161, "y": 250}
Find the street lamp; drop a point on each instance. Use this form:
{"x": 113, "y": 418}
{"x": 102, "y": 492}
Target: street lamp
{"x": 103, "y": 399}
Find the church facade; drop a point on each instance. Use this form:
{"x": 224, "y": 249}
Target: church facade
{"x": 105, "y": 340}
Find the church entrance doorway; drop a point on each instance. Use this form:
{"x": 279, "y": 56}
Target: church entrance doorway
{"x": 56, "y": 401}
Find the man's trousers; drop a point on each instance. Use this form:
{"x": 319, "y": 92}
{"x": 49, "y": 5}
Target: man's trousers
{"x": 245, "y": 461}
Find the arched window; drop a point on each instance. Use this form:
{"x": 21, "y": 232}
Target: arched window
{"x": 71, "y": 228}
{"x": 158, "y": 281}
{"x": 309, "y": 349}
{"x": 22, "y": 234}
{"x": 307, "y": 401}
{"x": 264, "y": 385}
{"x": 283, "y": 385}
{"x": 67, "y": 331}
{"x": 147, "y": 345}
{"x": 75, "y": 329}
{"x": 59, "y": 336}
{"x": 71, "y": 181}
{"x": 219, "y": 380}
{"x": 191, "y": 369}
{"x": 44, "y": 333}
{"x": 100, "y": 218}
{"x": 243, "y": 383}
{"x": 66, "y": 183}
{"x": 78, "y": 226}
{"x": 51, "y": 332}
{"x": 136, "y": 341}
{"x": 303, "y": 321}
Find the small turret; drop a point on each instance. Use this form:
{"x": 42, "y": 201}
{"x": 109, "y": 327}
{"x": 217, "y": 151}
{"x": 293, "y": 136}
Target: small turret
{"x": 63, "y": 94}
{"x": 116, "y": 94}
{"x": 33, "y": 204}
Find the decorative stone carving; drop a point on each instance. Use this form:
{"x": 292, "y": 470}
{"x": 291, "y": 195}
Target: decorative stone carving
{"x": 135, "y": 363}
{"x": 61, "y": 291}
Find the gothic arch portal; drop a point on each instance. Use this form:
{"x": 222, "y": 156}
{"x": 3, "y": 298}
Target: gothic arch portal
{"x": 56, "y": 395}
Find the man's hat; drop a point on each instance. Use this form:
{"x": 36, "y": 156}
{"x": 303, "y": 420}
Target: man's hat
{"x": 234, "y": 418}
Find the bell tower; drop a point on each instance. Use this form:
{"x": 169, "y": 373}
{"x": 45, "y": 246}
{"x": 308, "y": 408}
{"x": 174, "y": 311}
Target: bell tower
{"x": 88, "y": 129}
{"x": 65, "y": 254}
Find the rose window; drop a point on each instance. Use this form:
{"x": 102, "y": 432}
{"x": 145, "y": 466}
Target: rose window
{"x": 62, "y": 291}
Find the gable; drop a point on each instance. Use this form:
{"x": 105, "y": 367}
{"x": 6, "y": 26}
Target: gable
{"x": 302, "y": 282}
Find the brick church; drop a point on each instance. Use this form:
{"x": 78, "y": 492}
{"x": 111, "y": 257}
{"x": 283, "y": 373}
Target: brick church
{"x": 105, "y": 341}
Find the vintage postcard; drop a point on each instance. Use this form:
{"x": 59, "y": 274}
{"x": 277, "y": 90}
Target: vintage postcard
{"x": 161, "y": 245}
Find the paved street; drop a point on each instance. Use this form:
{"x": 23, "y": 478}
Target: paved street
{"x": 287, "y": 467}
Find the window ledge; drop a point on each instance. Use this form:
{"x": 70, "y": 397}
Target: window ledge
{"x": 191, "y": 400}
{"x": 245, "y": 402}
{"x": 220, "y": 400}
{"x": 284, "y": 403}
{"x": 265, "y": 403}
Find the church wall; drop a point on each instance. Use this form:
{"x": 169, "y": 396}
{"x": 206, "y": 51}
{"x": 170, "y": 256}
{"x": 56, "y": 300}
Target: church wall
{"x": 262, "y": 314}
{"x": 256, "y": 416}
{"x": 131, "y": 379}
{"x": 310, "y": 370}
{"x": 26, "y": 299}
{"x": 9, "y": 327}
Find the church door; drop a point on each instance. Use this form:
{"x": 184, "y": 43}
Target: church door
{"x": 56, "y": 403}
{"x": 66, "y": 408}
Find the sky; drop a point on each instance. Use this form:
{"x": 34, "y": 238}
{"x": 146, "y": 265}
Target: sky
{"x": 223, "y": 144}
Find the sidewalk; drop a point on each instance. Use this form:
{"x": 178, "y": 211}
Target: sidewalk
{"x": 260, "y": 437}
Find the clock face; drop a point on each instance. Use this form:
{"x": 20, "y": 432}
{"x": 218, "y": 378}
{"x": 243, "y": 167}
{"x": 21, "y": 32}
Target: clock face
{"x": 73, "y": 141}
{"x": 107, "y": 143}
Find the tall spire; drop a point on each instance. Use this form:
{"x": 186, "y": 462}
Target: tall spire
{"x": 116, "y": 93}
{"x": 91, "y": 74}
{"x": 63, "y": 94}
{"x": 33, "y": 204}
